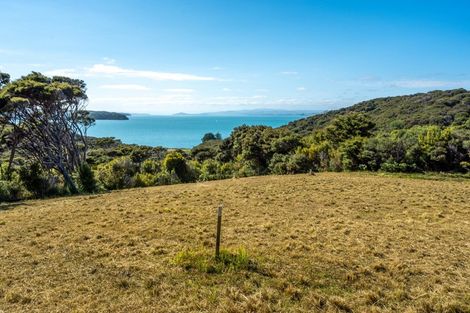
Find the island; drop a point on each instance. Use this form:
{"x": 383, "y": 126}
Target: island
{"x": 105, "y": 115}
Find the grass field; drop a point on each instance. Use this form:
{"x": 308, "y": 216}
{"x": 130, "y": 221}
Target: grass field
{"x": 326, "y": 243}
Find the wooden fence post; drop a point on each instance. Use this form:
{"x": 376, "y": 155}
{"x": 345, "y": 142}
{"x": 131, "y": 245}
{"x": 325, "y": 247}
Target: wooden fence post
{"x": 219, "y": 227}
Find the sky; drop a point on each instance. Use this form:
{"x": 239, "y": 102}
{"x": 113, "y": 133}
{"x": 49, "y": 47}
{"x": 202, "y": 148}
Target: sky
{"x": 164, "y": 57}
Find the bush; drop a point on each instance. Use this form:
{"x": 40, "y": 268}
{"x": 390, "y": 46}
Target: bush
{"x": 150, "y": 167}
{"x": 86, "y": 179}
{"x": 10, "y": 191}
{"x": 33, "y": 178}
{"x": 145, "y": 180}
{"x": 245, "y": 169}
{"x": 394, "y": 167}
{"x": 211, "y": 136}
{"x": 226, "y": 170}
{"x": 278, "y": 164}
{"x": 175, "y": 162}
{"x": 299, "y": 163}
{"x": 210, "y": 170}
{"x": 117, "y": 174}
{"x": 166, "y": 178}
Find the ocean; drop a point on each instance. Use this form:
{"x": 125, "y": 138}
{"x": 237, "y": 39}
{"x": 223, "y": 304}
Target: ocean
{"x": 179, "y": 131}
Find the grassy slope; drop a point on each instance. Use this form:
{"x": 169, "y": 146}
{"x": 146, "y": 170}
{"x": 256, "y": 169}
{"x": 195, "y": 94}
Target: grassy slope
{"x": 435, "y": 107}
{"x": 329, "y": 242}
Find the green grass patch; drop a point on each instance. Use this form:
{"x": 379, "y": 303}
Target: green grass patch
{"x": 204, "y": 261}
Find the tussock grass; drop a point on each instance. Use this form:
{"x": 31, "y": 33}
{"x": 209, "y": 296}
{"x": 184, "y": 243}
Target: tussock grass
{"x": 333, "y": 242}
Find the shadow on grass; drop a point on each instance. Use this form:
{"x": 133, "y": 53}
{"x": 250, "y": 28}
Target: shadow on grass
{"x": 6, "y": 206}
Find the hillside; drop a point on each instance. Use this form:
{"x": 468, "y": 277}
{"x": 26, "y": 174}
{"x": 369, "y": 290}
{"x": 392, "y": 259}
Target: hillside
{"x": 104, "y": 115}
{"x": 333, "y": 242}
{"x": 435, "y": 107}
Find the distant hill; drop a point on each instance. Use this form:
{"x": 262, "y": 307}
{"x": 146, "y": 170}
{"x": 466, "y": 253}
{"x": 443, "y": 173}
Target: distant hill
{"x": 104, "y": 115}
{"x": 435, "y": 107}
{"x": 259, "y": 112}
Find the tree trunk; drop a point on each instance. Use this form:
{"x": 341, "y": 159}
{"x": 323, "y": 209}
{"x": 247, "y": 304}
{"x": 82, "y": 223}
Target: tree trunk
{"x": 10, "y": 160}
{"x": 68, "y": 180}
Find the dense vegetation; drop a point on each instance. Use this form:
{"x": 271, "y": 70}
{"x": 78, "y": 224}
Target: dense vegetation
{"x": 45, "y": 150}
{"x": 442, "y": 108}
{"x": 104, "y": 115}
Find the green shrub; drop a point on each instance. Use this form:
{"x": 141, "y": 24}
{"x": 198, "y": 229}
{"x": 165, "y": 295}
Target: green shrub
{"x": 34, "y": 179}
{"x": 166, "y": 178}
{"x": 145, "y": 180}
{"x": 245, "y": 168}
{"x": 299, "y": 163}
{"x": 465, "y": 166}
{"x": 395, "y": 167}
{"x": 210, "y": 170}
{"x": 10, "y": 191}
{"x": 226, "y": 170}
{"x": 150, "y": 167}
{"x": 86, "y": 178}
{"x": 278, "y": 164}
{"x": 117, "y": 174}
{"x": 175, "y": 162}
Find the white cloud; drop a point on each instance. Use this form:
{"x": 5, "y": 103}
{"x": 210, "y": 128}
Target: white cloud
{"x": 226, "y": 89}
{"x": 109, "y": 60}
{"x": 179, "y": 90}
{"x": 124, "y": 87}
{"x": 289, "y": 73}
{"x": 301, "y": 88}
{"x": 217, "y": 68}
{"x": 165, "y": 99}
{"x": 115, "y": 71}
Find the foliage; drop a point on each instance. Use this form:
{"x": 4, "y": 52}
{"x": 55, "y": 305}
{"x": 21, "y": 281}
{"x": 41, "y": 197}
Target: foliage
{"x": 35, "y": 180}
{"x": 175, "y": 162}
{"x": 4, "y": 79}
{"x": 104, "y": 115}
{"x": 103, "y": 150}
{"x": 206, "y": 150}
{"x": 86, "y": 178}
{"x": 441, "y": 108}
{"x": 48, "y": 118}
{"x": 211, "y": 136}
{"x": 345, "y": 127}
{"x": 410, "y": 134}
{"x": 10, "y": 190}
{"x": 117, "y": 174}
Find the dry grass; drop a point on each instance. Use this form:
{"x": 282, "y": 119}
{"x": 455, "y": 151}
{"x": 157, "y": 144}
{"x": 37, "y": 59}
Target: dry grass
{"x": 326, "y": 243}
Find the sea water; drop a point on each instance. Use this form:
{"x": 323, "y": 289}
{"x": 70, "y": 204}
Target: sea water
{"x": 179, "y": 131}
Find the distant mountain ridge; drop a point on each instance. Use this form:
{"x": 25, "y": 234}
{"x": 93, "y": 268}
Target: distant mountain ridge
{"x": 435, "y": 107}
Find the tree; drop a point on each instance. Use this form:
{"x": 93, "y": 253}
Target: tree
{"x": 4, "y": 79}
{"x": 175, "y": 162}
{"x": 49, "y": 117}
{"x": 348, "y": 126}
{"x": 86, "y": 178}
{"x": 211, "y": 136}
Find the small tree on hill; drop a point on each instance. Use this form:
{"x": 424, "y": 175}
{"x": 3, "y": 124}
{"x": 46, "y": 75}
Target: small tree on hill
{"x": 211, "y": 136}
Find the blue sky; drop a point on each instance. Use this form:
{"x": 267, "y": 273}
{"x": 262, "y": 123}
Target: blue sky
{"x": 195, "y": 56}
